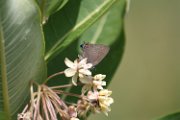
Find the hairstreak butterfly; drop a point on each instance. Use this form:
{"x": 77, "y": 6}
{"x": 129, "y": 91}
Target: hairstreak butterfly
{"x": 94, "y": 52}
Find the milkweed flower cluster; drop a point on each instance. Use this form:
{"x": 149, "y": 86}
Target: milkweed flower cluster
{"x": 95, "y": 97}
{"x": 46, "y": 103}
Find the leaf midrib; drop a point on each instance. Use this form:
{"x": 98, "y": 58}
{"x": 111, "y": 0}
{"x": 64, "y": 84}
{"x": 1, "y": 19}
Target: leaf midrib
{"x": 4, "y": 75}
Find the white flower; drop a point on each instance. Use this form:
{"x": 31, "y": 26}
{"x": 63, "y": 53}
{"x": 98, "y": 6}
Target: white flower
{"x": 24, "y": 116}
{"x": 105, "y": 101}
{"x": 87, "y": 81}
{"x": 83, "y": 107}
{"x": 77, "y": 69}
{"x": 101, "y": 100}
{"x": 97, "y": 81}
{"x": 92, "y": 96}
{"x": 72, "y": 112}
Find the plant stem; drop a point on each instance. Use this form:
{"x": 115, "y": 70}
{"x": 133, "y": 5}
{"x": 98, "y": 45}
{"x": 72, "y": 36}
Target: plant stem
{"x": 66, "y": 93}
{"x": 61, "y": 86}
{"x": 53, "y": 75}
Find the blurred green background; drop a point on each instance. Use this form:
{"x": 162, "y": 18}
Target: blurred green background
{"x": 147, "y": 82}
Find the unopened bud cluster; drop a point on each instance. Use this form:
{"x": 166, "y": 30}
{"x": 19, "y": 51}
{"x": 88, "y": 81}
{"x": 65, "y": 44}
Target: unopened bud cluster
{"x": 45, "y": 103}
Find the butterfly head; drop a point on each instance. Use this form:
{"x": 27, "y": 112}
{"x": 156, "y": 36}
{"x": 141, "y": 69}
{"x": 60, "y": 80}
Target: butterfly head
{"x": 84, "y": 45}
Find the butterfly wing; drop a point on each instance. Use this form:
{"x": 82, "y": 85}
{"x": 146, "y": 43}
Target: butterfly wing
{"x": 94, "y": 53}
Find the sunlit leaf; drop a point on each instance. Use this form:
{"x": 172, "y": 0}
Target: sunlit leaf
{"x": 21, "y": 53}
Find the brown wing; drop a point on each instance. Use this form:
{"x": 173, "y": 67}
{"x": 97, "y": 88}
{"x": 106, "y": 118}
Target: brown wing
{"x": 95, "y": 53}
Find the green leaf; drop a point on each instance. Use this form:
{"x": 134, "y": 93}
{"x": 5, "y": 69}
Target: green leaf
{"x": 3, "y": 116}
{"x": 173, "y": 116}
{"x": 48, "y": 7}
{"x": 106, "y": 30}
{"x": 70, "y": 22}
{"x": 21, "y": 53}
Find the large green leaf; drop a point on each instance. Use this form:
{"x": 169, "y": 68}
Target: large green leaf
{"x": 173, "y": 116}
{"x": 70, "y": 22}
{"x": 21, "y": 53}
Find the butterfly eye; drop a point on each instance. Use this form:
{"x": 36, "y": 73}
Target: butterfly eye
{"x": 84, "y": 45}
{"x": 81, "y": 45}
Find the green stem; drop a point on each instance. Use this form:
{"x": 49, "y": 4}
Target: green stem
{"x": 42, "y": 7}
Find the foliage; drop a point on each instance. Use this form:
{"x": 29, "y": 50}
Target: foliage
{"x": 36, "y": 36}
{"x": 173, "y": 116}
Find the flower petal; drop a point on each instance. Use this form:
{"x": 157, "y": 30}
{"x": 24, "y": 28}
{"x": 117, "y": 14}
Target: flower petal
{"x": 72, "y": 112}
{"x": 85, "y": 72}
{"x": 76, "y": 62}
{"x": 99, "y": 77}
{"x": 110, "y": 101}
{"x": 74, "y": 79}
{"x": 85, "y": 79}
{"x": 103, "y": 83}
{"x": 69, "y": 72}
{"x": 105, "y": 92}
{"x": 92, "y": 95}
{"x": 100, "y": 87}
{"x": 74, "y": 118}
{"x": 83, "y": 61}
{"x": 87, "y": 66}
{"x": 69, "y": 63}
